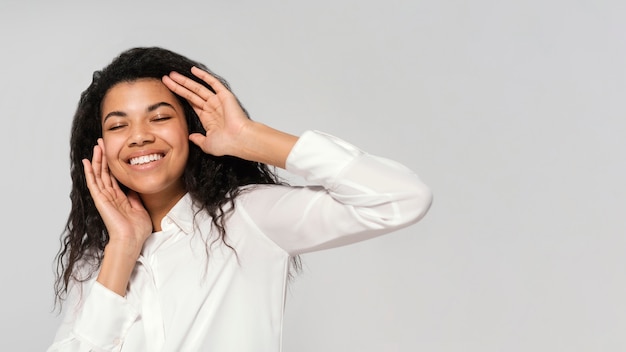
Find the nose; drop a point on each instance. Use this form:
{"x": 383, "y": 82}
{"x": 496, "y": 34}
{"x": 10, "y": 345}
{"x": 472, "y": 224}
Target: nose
{"x": 140, "y": 134}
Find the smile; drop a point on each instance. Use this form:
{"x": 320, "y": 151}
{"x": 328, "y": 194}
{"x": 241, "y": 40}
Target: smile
{"x": 144, "y": 159}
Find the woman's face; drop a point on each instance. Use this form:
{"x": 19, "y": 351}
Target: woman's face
{"x": 145, "y": 135}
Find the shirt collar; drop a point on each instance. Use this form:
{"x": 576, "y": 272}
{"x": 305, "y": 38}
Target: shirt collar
{"x": 182, "y": 214}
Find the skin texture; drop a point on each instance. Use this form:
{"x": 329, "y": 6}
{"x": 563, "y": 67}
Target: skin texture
{"x": 132, "y": 126}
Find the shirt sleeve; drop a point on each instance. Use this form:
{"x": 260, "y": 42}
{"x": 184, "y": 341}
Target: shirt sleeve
{"x": 97, "y": 319}
{"x": 351, "y": 196}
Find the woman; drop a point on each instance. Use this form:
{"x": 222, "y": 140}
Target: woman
{"x": 180, "y": 237}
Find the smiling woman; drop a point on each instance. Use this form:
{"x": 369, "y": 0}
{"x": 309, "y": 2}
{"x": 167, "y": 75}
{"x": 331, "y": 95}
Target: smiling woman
{"x": 180, "y": 236}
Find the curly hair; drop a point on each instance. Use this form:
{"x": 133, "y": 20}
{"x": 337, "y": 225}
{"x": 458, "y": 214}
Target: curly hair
{"x": 213, "y": 182}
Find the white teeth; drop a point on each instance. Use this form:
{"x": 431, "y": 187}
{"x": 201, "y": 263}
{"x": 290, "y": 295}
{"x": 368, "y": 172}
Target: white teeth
{"x": 145, "y": 159}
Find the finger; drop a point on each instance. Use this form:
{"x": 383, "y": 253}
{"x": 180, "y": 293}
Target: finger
{"x": 178, "y": 84}
{"x": 92, "y": 185}
{"x": 96, "y": 166}
{"x": 215, "y": 83}
{"x": 105, "y": 175}
{"x": 116, "y": 185}
{"x": 89, "y": 176}
{"x": 201, "y": 90}
{"x": 198, "y": 139}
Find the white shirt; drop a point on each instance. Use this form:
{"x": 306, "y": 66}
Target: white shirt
{"x": 185, "y": 297}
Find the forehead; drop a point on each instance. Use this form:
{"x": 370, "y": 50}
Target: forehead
{"x": 137, "y": 95}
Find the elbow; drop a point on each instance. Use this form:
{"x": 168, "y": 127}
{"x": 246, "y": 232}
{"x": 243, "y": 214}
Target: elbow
{"x": 400, "y": 209}
{"x": 418, "y": 203}
{"x": 410, "y": 206}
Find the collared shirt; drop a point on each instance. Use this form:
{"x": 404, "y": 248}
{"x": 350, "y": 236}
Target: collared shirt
{"x": 191, "y": 292}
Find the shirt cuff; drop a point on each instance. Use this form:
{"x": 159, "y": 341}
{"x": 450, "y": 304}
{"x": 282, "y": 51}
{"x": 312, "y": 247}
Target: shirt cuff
{"x": 105, "y": 318}
{"x": 319, "y": 157}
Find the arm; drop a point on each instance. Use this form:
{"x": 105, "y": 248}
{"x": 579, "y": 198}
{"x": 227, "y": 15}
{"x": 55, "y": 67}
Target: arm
{"x": 95, "y": 319}
{"x": 125, "y": 218}
{"x": 98, "y": 315}
{"x": 362, "y": 196}
{"x": 353, "y": 196}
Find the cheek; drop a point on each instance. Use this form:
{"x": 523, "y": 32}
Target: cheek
{"x": 111, "y": 161}
{"x": 114, "y": 167}
{"x": 111, "y": 156}
{"x": 179, "y": 138}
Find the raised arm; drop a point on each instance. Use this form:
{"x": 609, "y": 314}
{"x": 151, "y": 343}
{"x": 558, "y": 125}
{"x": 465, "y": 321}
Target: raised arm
{"x": 352, "y": 196}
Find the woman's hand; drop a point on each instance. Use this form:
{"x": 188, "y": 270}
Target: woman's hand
{"x": 229, "y": 131}
{"x": 220, "y": 113}
{"x": 127, "y": 221}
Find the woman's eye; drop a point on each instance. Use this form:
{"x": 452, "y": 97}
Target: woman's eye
{"x": 115, "y": 127}
{"x": 161, "y": 118}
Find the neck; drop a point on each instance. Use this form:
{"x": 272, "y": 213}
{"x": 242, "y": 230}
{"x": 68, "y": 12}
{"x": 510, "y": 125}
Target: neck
{"x": 158, "y": 205}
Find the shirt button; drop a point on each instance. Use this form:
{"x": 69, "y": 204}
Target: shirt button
{"x": 117, "y": 341}
{"x": 168, "y": 221}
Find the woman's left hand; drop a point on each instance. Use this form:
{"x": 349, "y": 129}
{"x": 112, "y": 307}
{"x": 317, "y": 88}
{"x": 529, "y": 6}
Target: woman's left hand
{"x": 220, "y": 113}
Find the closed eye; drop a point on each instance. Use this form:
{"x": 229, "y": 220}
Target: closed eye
{"x": 115, "y": 127}
{"x": 161, "y": 118}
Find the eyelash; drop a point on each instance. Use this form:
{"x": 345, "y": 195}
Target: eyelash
{"x": 115, "y": 127}
{"x": 156, "y": 119}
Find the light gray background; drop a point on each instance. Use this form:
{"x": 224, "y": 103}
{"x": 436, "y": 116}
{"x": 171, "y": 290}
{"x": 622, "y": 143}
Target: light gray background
{"x": 512, "y": 111}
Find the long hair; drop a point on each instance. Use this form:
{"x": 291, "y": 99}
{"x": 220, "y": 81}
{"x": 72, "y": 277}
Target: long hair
{"x": 213, "y": 182}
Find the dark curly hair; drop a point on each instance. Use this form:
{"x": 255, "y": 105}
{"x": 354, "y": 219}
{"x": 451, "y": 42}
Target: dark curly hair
{"x": 213, "y": 182}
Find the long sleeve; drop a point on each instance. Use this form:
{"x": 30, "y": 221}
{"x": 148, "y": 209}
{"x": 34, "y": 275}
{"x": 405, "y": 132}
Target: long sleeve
{"x": 96, "y": 320}
{"x": 353, "y": 196}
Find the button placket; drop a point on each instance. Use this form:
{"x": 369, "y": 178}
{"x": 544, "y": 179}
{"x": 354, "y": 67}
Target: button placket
{"x": 150, "y": 308}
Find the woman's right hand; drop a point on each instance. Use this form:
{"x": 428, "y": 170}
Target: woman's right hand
{"x": 127, "y": 221}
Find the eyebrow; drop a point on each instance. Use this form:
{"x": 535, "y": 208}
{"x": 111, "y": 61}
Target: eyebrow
{"x": 148, "y": 109}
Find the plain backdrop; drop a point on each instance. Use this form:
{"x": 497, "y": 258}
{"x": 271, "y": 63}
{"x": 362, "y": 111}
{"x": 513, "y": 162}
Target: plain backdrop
{"x": 513, "y": 112}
